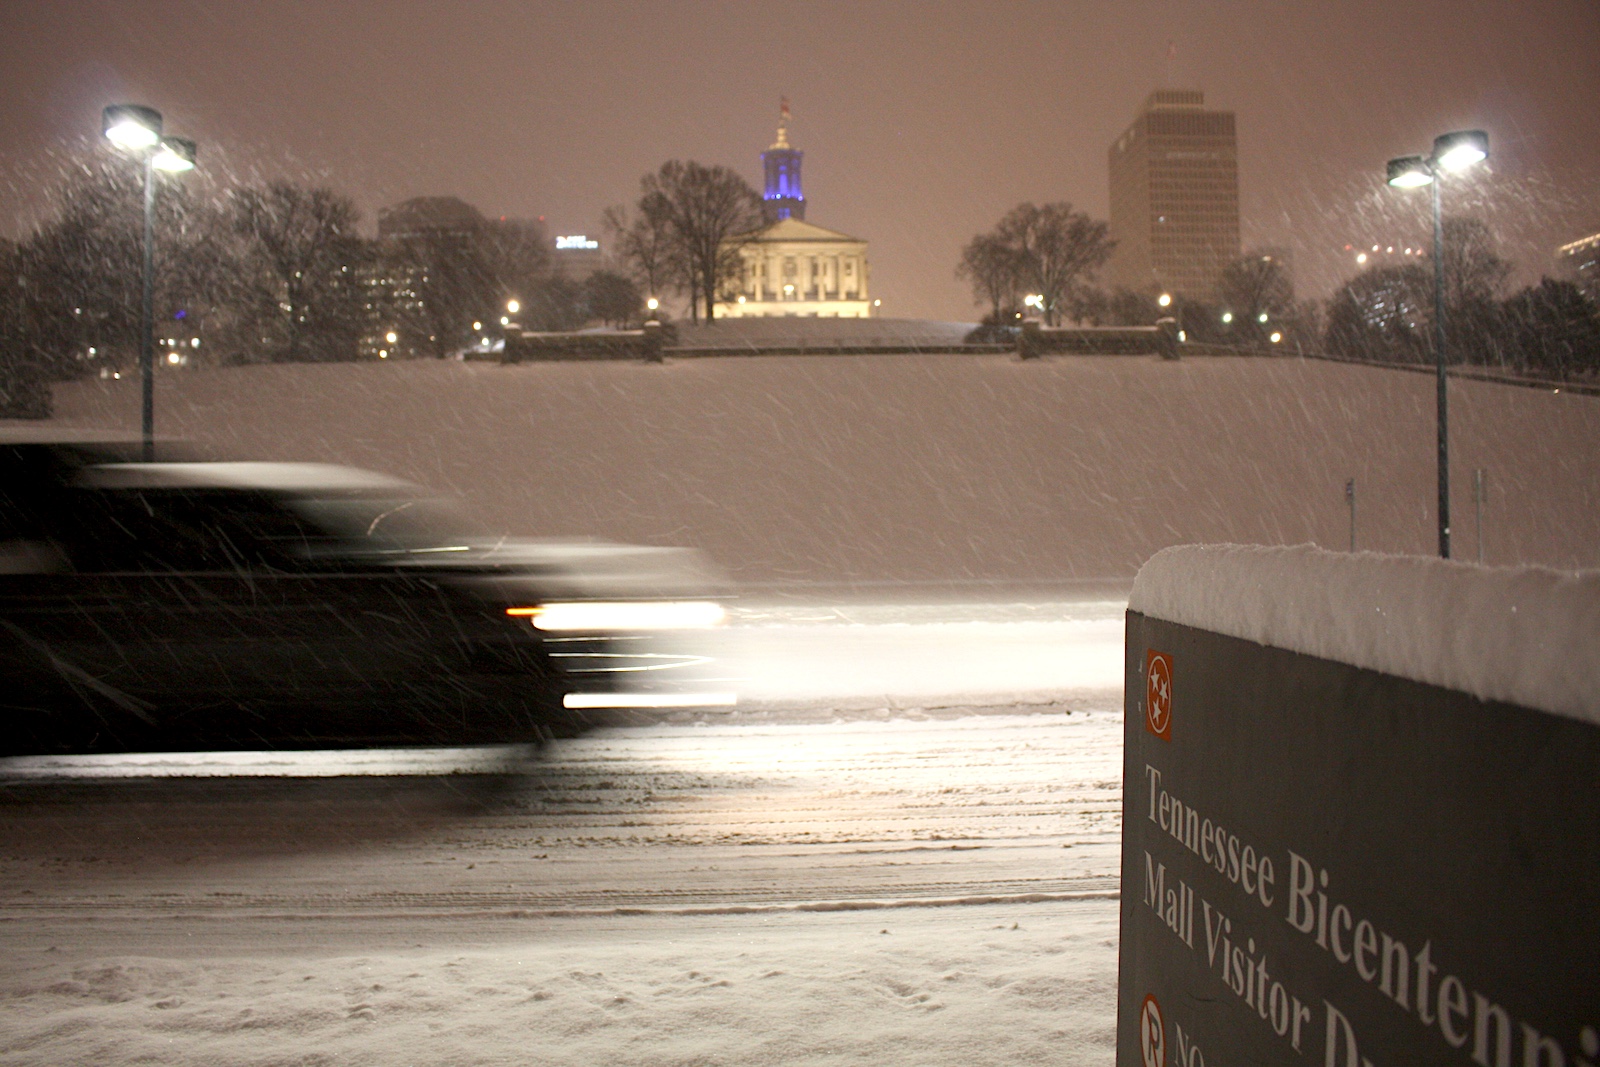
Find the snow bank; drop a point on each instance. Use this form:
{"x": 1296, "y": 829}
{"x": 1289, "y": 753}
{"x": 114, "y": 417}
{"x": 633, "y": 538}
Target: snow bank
{"x": 1523, "y": 635}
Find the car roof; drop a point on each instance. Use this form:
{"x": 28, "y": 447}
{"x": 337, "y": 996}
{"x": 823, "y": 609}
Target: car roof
{"x": 298, "y": 478}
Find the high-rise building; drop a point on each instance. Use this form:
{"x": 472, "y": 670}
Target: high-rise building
{"x": 1580, "y": 264}
{"x": 1175, "y": 197}
{"x": 783, "y": 198}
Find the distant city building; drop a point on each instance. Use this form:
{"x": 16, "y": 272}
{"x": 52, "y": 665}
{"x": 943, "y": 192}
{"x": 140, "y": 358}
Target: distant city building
{"x": 431, "y": 217}
{"x": 793, "y": 267}
{"x": 1580, "y": 264}
{"x": 576, "y": 256}
{"x": 1175, "y": 197}
{"x": 441, "y": 274}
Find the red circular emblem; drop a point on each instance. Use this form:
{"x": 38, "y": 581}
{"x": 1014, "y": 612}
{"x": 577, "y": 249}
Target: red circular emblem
{"x": 1152, "y": 1034}
{"x": 1158, "y": 694}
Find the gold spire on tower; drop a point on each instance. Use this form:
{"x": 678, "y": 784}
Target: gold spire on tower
{"x": 783, "y": 124}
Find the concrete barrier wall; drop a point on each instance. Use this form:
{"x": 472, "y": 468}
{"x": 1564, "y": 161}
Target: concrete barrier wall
{"x": 1327, "y": 863}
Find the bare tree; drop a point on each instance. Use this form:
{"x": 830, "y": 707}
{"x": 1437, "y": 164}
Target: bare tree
{"x": 24, "y": 385}
{"x": 1258, "y": 296}
{"x": 1057, "y": 252}
{"x": 612, "y": 298}
{"x": 1474, "y": 273}
{"x": 1383, "y": 314}
{"x": 643, "y": 239}
{"x": 305, "y": 247}
{"x": 516, "y": 261}
{"x": 992, "y": 268}
{"x": 713, "y": 213}
{"x": 78, "y": 275}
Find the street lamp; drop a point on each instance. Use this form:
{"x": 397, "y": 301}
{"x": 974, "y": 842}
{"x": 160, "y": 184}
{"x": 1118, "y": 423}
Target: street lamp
{"x": 137, "y": 128}
{"x": 1451, "y": 152}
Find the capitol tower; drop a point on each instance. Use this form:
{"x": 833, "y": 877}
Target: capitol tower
{"x": 783, "y": 197}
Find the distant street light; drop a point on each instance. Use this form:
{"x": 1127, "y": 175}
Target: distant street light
{"x": 1165, "y": 299}
{"x": 137, "y": 128}
{"x": 513, "y": 306}
{"x": 1451, "y": 152}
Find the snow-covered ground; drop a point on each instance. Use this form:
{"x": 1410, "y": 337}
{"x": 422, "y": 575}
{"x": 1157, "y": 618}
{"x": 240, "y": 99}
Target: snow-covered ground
{"x": 903, "y": 849}
{"x": 921, "y": 468}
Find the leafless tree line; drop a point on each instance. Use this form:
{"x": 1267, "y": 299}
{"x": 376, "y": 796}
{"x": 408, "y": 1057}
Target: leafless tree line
{"x": 270, "y": 272}
{"x": 685, "y": 233}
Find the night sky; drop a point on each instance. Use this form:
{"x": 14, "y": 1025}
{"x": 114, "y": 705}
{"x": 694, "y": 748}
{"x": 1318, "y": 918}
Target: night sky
{"x": 921, "y": 122}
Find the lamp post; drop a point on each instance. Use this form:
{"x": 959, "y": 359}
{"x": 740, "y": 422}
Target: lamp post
{"x": 1451, "y": 152}
{"x": 138, "y": 129}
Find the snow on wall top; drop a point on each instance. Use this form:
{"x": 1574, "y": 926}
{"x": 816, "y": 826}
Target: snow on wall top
{"x": 1523, "y": 635}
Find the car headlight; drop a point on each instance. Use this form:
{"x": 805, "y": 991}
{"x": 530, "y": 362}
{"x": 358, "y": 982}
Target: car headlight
{"x": 600, "y": 615}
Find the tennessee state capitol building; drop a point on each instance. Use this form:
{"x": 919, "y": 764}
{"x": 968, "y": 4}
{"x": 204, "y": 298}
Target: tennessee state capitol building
{"x": 792, "y": 267}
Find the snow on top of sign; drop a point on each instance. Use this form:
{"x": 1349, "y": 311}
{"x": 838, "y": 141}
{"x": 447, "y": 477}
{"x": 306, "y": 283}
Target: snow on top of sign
{"x": 1523, "y": 635}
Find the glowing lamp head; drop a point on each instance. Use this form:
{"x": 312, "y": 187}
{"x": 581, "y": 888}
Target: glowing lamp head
{"x": 131, "y": 125}
{"x": 1461, "y": 149}
{"x": 175, "y": 155}
{"x": 1409, "y": 172}
{"x": 513, "y": 306}
{"x": 1227, "y": 316}
{"x": 391, "y": 337}
{"x": 652, "y": 303}
{"x": 1165, "y": 299}
{"x": 1276, "y": 337}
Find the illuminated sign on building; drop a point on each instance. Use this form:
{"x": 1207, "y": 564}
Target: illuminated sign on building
{"x": 576, "y": 240}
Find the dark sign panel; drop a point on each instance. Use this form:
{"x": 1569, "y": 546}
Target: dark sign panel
{"x": 1328, "y": 865}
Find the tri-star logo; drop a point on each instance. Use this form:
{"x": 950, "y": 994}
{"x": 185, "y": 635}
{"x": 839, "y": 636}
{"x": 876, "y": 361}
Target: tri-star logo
{"x": 1158, "y": 694}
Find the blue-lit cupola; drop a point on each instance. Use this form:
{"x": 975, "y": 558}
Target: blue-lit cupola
{"x": 783, "y": 197}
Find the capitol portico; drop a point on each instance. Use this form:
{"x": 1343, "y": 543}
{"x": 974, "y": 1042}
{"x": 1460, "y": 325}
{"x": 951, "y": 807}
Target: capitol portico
{"x": 793, "y": 267}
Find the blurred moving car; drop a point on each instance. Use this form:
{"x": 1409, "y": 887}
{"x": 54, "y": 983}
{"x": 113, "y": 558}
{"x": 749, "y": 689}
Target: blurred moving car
{"x": 197, "y": 605}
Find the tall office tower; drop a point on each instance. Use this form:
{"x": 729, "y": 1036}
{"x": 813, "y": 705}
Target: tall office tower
{"x": 1175, "y": 197}
{"x": 1580, "y": 264}
{"x": 782, "y": 197}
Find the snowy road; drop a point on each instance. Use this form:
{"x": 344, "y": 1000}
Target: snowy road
{"x": 851, "y": 794}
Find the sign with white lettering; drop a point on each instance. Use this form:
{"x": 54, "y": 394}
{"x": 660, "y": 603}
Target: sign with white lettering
{"x": 1329, "y": 865}
{"x": 576, "y": 240}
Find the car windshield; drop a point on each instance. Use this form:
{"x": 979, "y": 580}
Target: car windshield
{"x": 388, "y": 524}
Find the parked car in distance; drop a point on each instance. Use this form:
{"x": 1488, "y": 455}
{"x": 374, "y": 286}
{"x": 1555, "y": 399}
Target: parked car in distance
{"x": 204, "y": 605}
